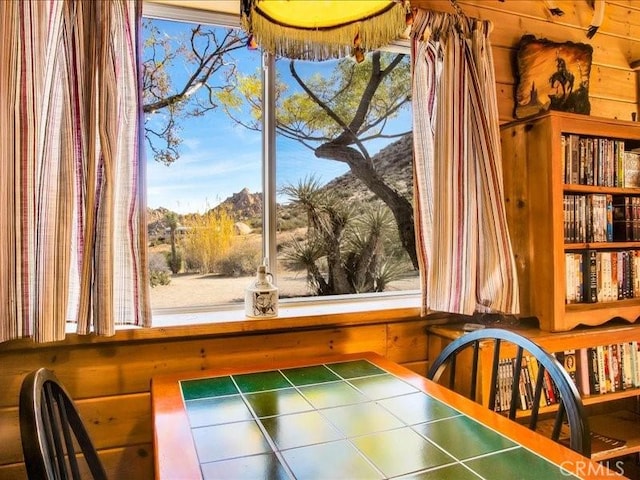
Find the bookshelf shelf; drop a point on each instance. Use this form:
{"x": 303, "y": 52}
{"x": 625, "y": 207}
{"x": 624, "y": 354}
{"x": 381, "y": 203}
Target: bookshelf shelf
{"x": 617, "y": 304}
{"x": 586, "y": 401}
{"x": 600, "y": 245}
{"x": 624, "y": 425}
{"x": 610, "y": 397}
{"x": 612, "y": 415}
{"x": 576, "y": 188}
{"x": 536, "y": 205}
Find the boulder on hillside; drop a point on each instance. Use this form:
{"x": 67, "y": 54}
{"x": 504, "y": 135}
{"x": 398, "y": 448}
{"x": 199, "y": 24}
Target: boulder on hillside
{"x": 241, "y": 228}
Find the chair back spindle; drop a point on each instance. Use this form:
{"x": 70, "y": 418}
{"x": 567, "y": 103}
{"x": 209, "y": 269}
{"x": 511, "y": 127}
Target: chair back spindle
{"x": 569, "y": 409}
{"x": 52, "y": 433}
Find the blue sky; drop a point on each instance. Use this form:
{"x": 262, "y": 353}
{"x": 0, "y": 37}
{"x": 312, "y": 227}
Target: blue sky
{"x": 218, "y": 161}
{"x": 219, "y": 158}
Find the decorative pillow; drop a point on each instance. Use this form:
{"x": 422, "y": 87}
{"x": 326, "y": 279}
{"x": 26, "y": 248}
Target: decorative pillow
{"x": 552, "y": 76}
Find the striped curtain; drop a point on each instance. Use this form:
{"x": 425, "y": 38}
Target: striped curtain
{"x": 465, "y": 254}
{"x": 72, "y": 236}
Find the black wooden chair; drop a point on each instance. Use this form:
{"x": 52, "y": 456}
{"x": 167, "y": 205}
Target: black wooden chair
{"x": 570, "y": 410}
{"x": 55, "y": 443}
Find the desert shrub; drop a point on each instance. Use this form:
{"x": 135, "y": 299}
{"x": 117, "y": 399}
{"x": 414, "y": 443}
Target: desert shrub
{"x": 292, "y": 222}
{"x": 207, "y": 240}
{"x": 243, "y": 259}
{"x": 254, "y": 222}
{"x": 291, "y": 217}
{"x": 159, "y": 273}
{"x": 159, "y": 278}
{"x": 174, "y": 260}
{"x": 191, "y": 264}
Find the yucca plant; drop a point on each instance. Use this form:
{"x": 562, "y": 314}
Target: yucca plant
{"x": 348, "y": 248}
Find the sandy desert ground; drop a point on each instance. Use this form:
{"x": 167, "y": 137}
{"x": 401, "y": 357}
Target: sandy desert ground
{"x": 188, "y": 290}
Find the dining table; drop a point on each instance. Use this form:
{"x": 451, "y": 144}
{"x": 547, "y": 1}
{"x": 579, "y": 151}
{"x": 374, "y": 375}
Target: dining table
{"x": 346, "y": 416}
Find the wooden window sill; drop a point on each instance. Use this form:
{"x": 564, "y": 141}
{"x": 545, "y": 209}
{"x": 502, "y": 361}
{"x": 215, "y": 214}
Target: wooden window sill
{"x": 299, "y": 316}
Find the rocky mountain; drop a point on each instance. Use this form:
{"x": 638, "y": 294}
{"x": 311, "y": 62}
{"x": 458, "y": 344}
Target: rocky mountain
{"x": 244, "y": 205}
{"x": 394, "y": 160}
{"x": 156, "y": 221}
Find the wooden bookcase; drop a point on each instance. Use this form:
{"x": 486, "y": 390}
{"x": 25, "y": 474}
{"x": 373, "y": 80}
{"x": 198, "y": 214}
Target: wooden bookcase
{"x": 534, "y": 189}
{"x": 614, "y": 414}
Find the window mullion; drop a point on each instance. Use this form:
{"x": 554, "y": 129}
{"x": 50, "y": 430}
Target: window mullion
{"x": 269, "y": 162}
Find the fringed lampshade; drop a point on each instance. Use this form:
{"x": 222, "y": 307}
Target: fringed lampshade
{"x": 323, "y": 29}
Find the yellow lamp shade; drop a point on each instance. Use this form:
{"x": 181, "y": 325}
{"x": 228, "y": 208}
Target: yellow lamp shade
{"x": 322, "y": 29}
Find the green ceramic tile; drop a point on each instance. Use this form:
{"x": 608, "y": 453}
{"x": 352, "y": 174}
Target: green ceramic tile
{"x": 382, "y": 386}
{"x": 258, "y": 382}
{"x": 401, "y": 451}
{"x": 463, "y": 437}
{"x": 362, "y": 418}
{"x": 329, "y": 461}
{"x": 277, "y": 402}
{"x": 417, "y": 408}
{"x": 357, "y": 368}
{"x": 328, "y": 428}
{"x": 449, "y": 472}
{"x": 216, "y": 410}
{"x": 518, "y": 463}
{"x": 207, "y": 387}
{"x": 254, "y": 467}
{"x": 229, "y": 440}
{"x": 310, "y": 375}
{"x": 298, "y": 429}
{"x": 332, "y": 394}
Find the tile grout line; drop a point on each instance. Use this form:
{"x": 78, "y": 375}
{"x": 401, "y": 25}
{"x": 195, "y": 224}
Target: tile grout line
{"x": 265, "y": 434}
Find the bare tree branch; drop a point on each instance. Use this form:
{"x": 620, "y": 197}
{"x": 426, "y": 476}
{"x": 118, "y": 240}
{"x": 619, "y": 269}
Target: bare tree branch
{"x": 207, "y": 55}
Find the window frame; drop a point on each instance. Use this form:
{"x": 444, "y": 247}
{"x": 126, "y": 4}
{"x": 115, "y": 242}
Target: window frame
{"x": 324, "y": 310}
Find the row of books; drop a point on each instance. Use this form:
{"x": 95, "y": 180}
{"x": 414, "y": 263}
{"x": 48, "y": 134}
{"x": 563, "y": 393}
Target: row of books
{"x": 599, "y": 161}
{"x": 626, "y": 218}
{"x": 594, "y": 370}
{"x": 588, "y": 218}
{"x": 526, "y": 387}
{"x": 604, "y": 368}
{"x": 601, "y": 218}
{"x": 601, "y": 276}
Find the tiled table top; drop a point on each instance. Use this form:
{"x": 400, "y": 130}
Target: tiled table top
{"x": 348, "y": 419}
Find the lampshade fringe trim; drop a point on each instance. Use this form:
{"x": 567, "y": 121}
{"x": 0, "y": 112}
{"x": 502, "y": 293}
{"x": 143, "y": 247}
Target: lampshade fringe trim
{"x": 326, "y": 43}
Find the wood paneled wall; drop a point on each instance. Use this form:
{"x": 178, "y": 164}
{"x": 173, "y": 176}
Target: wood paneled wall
{"x": 110, "y": 379}
{"x": 613, "y": 89}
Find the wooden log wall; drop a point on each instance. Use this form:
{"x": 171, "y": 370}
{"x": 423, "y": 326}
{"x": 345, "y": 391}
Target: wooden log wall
{"x": 613, "y": 89}
{"x": 109, "y": 378}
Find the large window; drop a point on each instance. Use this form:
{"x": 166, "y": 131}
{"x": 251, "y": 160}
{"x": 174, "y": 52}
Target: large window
{"x": 323, "y": 194}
